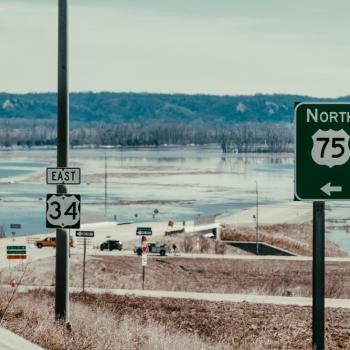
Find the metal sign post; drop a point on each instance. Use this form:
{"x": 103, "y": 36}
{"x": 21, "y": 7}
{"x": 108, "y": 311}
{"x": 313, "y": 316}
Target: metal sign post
{"x": 318, "y": 280}
{"x": 62, "y": 236}
{"x": 14, "y": 226}
{"x": 84, "y": 265}
{"x": 144, "y": 247}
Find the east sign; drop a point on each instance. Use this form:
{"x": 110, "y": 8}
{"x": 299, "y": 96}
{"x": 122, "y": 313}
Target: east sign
{"x": 322, "y": 153}
{"x": 60, "y": 176}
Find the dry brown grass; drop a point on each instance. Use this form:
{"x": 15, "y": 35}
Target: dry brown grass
{"x": 108, "y": 322}
{"x": 296, "y": 238}
{"x": 286, "y": 278}
{"x": 32, "y": 317}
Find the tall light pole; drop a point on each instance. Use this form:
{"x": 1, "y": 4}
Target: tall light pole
{"x": 257, "y": 219}
{"x": 106, "y": 185}
{"x": 62, "y": 235}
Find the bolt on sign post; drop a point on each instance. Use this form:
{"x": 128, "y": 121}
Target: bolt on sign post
{"x": 321, "y": 173}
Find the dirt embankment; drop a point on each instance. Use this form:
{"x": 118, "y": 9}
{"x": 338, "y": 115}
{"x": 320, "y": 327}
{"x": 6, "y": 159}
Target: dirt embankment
{"x": 296, "y": 238}
{"x": 108, "y": 322}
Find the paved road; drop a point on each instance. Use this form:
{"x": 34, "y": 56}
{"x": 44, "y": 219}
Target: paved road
{"x": 217, "y": 297}
{"x": 125, "y": 233}
{"x": 102, "y": 230}
{"x": 11, "y": 341}
{"x": 97, "y": 252}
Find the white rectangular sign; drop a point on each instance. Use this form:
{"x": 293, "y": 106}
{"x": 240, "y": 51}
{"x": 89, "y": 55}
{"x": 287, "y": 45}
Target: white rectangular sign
{"x": 60, "y": 176}
{"x": 144, "y": 260}
{"x": 85, "y": 233}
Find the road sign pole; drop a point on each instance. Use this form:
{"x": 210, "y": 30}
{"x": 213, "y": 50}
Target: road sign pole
{"x": 84, "y": 264}
{"x": 143, "y": 276}
{"x": 143, "y": 268}
{"x": 257, "y": 219}
{"x": 106, "y": 185}
{"x": 62, "y": 237}
{"x": 318, "y": 273}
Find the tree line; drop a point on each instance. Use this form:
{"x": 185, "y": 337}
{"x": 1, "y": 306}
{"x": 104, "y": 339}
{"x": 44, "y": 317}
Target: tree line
{"x": 234, "y": 137}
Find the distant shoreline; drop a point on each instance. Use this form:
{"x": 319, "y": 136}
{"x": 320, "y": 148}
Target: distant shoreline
{"x": 212, "y": 146}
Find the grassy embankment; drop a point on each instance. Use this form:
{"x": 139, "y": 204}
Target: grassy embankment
{"x": 296, "y": 238}
{"x": 264, "y": 277}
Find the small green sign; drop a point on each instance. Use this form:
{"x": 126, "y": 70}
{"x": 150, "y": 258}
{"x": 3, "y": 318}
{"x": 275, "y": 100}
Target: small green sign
{"x": 16, "y": 252}
{"x": 322, "y": 152}
{"x": 16, "y": 247}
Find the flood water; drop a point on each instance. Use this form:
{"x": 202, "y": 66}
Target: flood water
{"x": 178, "y": 182}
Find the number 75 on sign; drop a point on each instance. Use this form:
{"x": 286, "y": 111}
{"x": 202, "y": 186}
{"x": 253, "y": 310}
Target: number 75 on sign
{"x": 63, "y": 211}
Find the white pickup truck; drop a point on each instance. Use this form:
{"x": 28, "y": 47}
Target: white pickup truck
{"x": 155, "y": 248}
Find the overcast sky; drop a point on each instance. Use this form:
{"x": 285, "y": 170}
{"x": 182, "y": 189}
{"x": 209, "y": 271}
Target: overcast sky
{"x": 190, "y": 46}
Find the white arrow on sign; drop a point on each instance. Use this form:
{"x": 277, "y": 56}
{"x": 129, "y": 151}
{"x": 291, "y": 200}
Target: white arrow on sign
{"x": 328, "y": 189}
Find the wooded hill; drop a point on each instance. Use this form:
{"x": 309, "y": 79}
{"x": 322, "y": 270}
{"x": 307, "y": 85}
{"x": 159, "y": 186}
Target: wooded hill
{"x": 238, "y": 123}
{"x": 112, "y": 108}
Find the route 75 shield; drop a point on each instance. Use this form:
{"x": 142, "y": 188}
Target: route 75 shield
{"x": 63, "y": 211}
{"x": 330, "y": 147}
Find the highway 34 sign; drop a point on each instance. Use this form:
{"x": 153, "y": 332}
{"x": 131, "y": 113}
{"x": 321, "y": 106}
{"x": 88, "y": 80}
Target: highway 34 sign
{"x": 63, "y": 211}
{"x": 322, "y": 152}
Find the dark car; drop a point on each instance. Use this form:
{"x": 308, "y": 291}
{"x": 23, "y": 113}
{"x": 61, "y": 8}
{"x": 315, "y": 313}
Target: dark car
{"x": 111, "y": 245}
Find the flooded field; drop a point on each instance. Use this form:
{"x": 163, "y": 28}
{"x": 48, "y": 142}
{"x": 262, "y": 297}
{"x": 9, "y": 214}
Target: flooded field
{"x": 177, "y": 182}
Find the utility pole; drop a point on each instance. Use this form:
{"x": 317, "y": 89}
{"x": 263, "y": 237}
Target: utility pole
{"x": 106, "y": 185}
{"x": 257, "y": 219}
{"x": 62, "y": 235}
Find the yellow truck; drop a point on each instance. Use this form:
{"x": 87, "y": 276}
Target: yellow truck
{"x": 51, "y": 242}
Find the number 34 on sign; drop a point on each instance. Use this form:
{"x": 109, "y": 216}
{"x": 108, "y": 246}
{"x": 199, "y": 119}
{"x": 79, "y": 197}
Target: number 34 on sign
{"x": 63, "y": 211}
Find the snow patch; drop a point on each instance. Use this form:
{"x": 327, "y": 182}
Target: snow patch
{"x": 8, "y": 105}
{"x": 272, "y": 108}
{"x": 241, "y": 107}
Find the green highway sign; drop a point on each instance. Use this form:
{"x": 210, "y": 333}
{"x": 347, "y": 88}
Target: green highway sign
{"x": 16, "y": 252}
{"x": 322, "y": 152}
{"x": 16, "y": 247}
